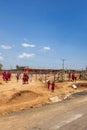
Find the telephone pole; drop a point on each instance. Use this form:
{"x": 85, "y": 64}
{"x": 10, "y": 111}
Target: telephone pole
{"x": 63, "y": 60}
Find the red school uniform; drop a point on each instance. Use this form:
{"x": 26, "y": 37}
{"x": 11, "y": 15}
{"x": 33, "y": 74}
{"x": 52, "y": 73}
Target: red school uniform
{"x": 52, "y": 86}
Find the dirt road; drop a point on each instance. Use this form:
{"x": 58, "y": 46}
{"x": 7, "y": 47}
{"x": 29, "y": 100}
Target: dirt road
{"x": 69, "y": 114}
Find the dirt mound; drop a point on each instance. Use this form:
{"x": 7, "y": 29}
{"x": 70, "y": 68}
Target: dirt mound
{"x": 81, "y": 85}
{"x": 0, "y": 83}
{"x": 23, "y": 96}
{"x": 3, "y": 99}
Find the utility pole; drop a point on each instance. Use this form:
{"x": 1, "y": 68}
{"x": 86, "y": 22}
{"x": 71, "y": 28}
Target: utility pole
{"x": 63, "y": 60}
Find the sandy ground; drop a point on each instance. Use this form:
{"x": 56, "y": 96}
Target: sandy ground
{"x": 16, "y": 96}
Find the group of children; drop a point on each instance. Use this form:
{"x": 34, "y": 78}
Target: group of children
{"x": 51, "y": 85}
{"x": 6, "y": 76}
{"x": 72, "y": 76}
{"x": 25, "y": 77}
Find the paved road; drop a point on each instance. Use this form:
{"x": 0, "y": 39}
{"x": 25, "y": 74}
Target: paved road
{"x": 69, "y": 114}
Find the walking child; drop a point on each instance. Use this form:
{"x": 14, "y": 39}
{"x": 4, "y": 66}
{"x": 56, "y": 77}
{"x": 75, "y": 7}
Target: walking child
{"x": 52, "y": 86}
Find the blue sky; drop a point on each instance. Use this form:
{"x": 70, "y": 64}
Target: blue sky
{"x": 40, "y": 33}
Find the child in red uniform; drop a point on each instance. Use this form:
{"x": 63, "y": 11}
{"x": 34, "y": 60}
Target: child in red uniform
{"x": 3, "y": 75}
{"x": 73, "y": 76}
{"x": 48, "y": 84}
{"x": 52, "y": 86}
{"x": 25, "y": 78}
{"x": 17, "y": 76}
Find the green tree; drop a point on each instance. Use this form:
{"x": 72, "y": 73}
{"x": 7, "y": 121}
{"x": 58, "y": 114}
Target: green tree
{"x": 17, "y": 67}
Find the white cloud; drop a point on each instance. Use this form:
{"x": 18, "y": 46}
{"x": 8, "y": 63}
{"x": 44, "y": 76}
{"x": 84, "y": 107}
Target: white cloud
{"x": 27, "y": 45}
{"x": 5, "y": 46}
{"x": 26, "y": 55}
{"x": 1, "y": 57}
{"x": 46, "y": 48}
